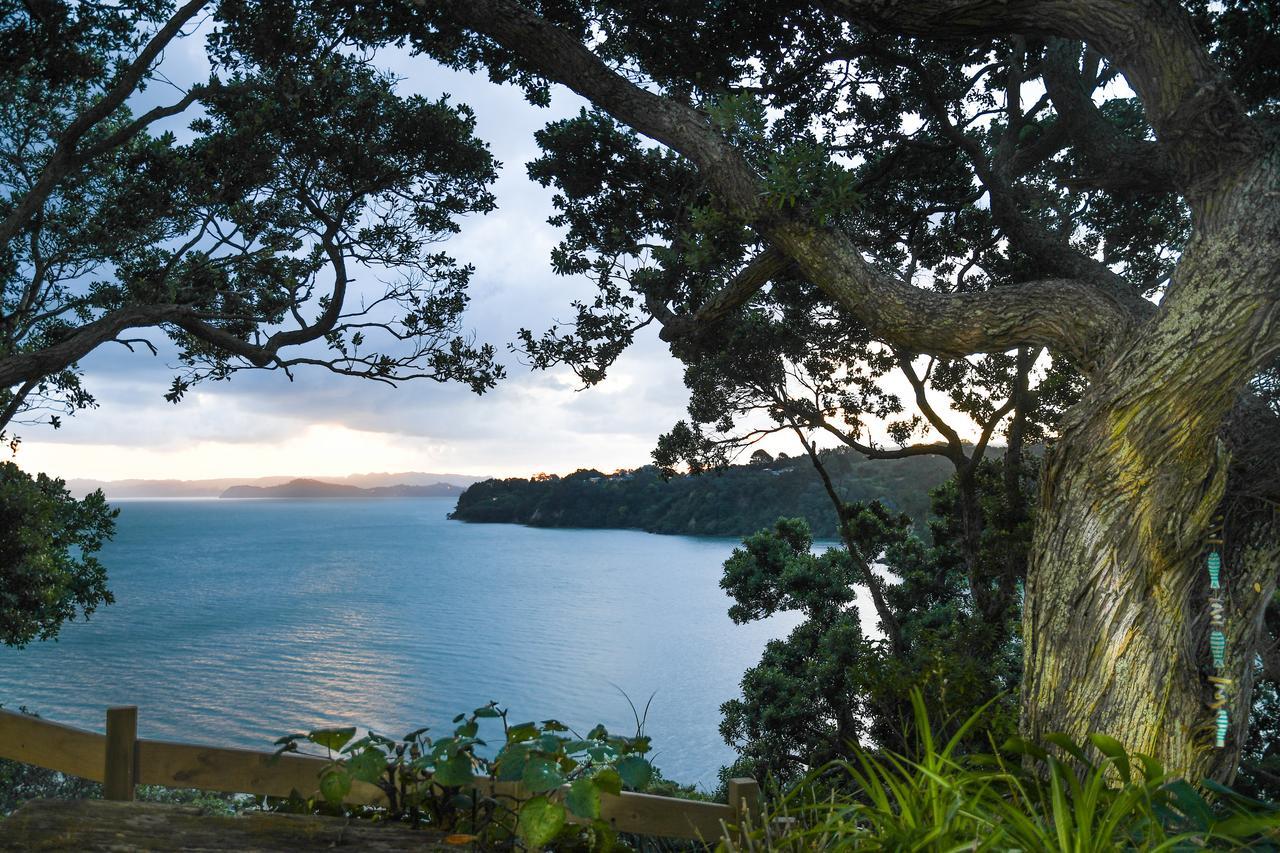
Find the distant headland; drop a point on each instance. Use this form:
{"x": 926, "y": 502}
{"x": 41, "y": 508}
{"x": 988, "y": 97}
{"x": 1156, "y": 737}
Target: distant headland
{"x": 304, "y": 488}
{"x": 213, "y": 488}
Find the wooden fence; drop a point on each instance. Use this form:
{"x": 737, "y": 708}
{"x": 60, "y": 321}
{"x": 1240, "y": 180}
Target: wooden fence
{"x": 120, "y": 760}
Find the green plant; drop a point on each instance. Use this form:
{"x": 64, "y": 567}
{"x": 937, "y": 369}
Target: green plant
{"x": 562, "y": 776}
{"x": 1060, "y": 796}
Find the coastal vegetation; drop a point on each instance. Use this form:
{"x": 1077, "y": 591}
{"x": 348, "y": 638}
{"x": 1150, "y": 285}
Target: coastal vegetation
{"x": 885, "y": 225}
{"x": 734, "y": 501}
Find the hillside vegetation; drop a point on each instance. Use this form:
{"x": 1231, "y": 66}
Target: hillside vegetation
{"x": 734, "y": 502}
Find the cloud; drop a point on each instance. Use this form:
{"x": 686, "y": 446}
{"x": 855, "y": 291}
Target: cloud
{"x": 321, "y": 423}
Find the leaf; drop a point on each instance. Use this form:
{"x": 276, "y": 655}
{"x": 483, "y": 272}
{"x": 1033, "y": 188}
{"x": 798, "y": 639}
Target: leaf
{"x": 335, "y": 784}
{"x": 332, "y": 738}
{"x": 368, "y": 766}
{"x": 453, "y": 772}
{"x": 1114, "y": 750}
{"x": 510, "y": 763}
{"x": 608, "y": 781}
{"x": 486, "y": 711}
{"x": 635, "y": 772}
{"x": 541, "y": 774}
{"x": 540, "y": 821}
{"x": 522, "y": 732}
{"x": 554, "y": 726}
{"x": 583, "y": 799}
{"x": 606, "y": 837}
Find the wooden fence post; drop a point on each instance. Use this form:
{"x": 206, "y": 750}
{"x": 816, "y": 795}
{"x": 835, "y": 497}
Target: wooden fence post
{"x": 744, "y": 799}
{"x": 121, "y": 771}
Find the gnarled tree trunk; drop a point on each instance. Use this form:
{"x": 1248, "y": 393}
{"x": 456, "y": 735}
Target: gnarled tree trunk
{"x": 1115, "y": 620}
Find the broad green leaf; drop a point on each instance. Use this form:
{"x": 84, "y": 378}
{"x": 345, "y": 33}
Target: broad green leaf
{"x": 554, "y": 726}
{"x": 467, "y": 729}
{"x": 332, "y": 738}
{"x": 368, "y": 766}
{"x": 335, "y": 784}
{"x": 522, "y": 732}
{"x": 541, "y": 774}
{"x": 540, "y": 822}
{"x": 583, "y": 799}
{"x": 572, "y": 746}
{"x": 453, "y": 772}
{"x": 606, "y": 837}
{"x": 486, "y": 711}
{"x": 608, "y": 781}
{"x": 509, "y": 765}
{"x": 635, "y": 772}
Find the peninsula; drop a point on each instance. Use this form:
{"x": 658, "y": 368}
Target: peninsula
{"x": 304, "y": 488}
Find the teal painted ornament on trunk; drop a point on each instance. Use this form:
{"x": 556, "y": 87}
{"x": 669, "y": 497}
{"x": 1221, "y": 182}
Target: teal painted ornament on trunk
{"x": 1221, "y": 732}
{"x": 1215, "y": 569}
{"x": 1218, "y": 646}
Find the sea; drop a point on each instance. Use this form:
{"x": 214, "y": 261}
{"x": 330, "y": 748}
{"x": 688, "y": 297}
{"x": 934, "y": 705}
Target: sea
{"x": 238, "y": 621}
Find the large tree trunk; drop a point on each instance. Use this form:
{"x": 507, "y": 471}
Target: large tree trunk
{"x": 1115, "y": 621}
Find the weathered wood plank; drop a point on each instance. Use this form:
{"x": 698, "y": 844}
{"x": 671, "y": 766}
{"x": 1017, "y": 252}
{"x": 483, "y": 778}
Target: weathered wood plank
{"x": 52, "y": 745}
{"x": 646, "y": 814}
{"x": 121, "y": 766}
{"x": 100, "y": 825}
{"x": 242, "y": 771}
{"x": 180, "y": 765}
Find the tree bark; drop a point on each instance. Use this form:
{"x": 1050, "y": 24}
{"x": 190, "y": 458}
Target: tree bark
{"x": 1115, "y": 621}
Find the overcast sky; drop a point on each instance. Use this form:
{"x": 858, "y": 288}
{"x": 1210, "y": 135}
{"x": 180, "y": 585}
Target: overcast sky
{"x": 321, "y": 424}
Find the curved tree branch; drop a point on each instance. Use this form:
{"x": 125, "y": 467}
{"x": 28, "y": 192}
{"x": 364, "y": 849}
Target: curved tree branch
{"x": 1069, "y": 316}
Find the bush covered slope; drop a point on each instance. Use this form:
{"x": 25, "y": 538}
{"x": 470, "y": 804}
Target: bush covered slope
{"x": 735, "y": 502}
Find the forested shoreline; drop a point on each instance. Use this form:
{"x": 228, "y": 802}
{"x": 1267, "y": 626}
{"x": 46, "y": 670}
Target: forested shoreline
{"x": 735, "y": 501}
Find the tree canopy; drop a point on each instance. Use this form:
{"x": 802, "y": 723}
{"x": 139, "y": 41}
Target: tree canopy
{"x": 244, "y": 218}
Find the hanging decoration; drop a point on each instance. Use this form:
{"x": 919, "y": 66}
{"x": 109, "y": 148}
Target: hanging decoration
{"x": 1217, "y": 633}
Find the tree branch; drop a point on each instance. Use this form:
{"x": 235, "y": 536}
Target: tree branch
{"x": 1204, "y": 128}
{"x": 1070, "y": 316}
{"x": 65, "y": 157}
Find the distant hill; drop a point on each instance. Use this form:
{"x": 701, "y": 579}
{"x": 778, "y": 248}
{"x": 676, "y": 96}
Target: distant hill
{"x": 319, "y": 489}
{"x": 735, "y": 502}
{"x": 215, "y": 487}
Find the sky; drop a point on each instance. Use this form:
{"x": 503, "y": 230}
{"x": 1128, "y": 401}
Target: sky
{"x": 321, "y": 424}
{"x": 261, "y": 424}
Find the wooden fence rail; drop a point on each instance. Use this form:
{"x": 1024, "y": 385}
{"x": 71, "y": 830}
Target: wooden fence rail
{"x": 121, "y": 760}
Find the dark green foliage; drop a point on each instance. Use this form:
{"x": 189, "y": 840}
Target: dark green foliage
{"x": 250, "y": 238}
{"x": 734, "y": 501}
{"x": 827, "y": 687}
{"x": 1059, "y": 796}
{"x": 48, "y": 539}
{"x": 430, "y": 780}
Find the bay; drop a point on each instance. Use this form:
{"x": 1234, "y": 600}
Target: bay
{"x": 238, "y": 621}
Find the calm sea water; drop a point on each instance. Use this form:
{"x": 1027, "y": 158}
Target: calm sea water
{"x": 238, "y": 621}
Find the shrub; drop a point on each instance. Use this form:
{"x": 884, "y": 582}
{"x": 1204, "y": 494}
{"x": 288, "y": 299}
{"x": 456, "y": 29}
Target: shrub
{"x": 1063, "y": 796}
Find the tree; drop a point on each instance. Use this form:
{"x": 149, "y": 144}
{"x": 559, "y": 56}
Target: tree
{"x": 48, "y": 571}
{"x": 827, "y": 686}
{"x": 1133, "y": 238}
{"x": 761, "y": 457}
{"x": 300, "y": 167}
{"x": 247, "y": 236}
